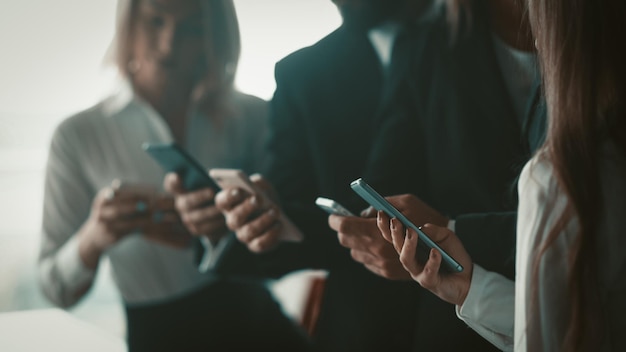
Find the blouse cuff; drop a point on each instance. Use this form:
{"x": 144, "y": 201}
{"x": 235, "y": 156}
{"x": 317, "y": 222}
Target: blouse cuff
{"x": 71, "y": 268}
{"x": 489, "y": 307}
{"x": 470, "y": 309}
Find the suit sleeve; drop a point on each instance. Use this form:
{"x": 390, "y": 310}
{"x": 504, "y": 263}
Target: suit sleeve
{"x": 495, "y": 251}
{"x": 293, "y": 174}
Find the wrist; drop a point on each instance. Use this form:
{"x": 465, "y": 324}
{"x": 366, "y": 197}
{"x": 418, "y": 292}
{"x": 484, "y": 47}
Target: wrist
{"x": 467, "y": 284}
{"x": 88, "y": 250}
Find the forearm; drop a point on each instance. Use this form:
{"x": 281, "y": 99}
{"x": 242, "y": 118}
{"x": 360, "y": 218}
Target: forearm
{"x": 63, "y": 275}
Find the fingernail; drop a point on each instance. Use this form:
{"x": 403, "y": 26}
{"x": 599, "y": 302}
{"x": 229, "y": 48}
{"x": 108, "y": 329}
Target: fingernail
{"x": 254, "y": 200}
{"x": 409, "y": 235}
{"x": 234, "y": 192}
{"x": 272, "y": 212}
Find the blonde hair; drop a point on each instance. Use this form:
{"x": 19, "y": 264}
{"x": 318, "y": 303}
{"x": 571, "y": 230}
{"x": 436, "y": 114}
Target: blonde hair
{"x": 212, "y": 93}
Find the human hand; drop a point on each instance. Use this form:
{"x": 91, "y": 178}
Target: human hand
{"x": 166, "y": 227}
{"x": 451, "y": 287}
{"x": 256, "y": 225}
{"x": 367, "y": 246}
{"x": 197, "y": 210}
{"x": 115, "y": 213}
{"x": 414, "y": 209}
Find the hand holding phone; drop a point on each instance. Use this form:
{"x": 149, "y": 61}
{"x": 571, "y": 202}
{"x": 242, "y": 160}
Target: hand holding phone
{"x": 377, "y": 201}
{"x": 173, "y": 158}
{"x": 234, "y": 178}
{"x": 332, "y": 207}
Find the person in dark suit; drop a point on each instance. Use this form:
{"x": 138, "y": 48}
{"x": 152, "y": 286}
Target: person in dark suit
{"x": 327, "y": 129}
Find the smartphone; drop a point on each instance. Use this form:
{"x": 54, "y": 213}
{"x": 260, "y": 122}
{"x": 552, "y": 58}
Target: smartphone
{"x": 234, "y": 178}
{"x": 332, "y": 207}
{"x": 173, "y": 158}
{"x": 424, "y": 244}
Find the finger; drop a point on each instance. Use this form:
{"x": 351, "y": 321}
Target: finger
{"x": 268, "y": 240}
{"x": 436, "y": 233}
{"x": 407, "y": 254}
{"x": 364, "y": 258}
{"x": 172, "y": 183}
{"x": 127, "y": 196}
{"x": 163, "y": 202}
{"x": 261, "y": 182}
{"x": 352, "y": 225}
{"x": 193, "y": 200}
{"x": 227, "y": 199}
{"x": 258, "y": 227}
{"x": 384, "y": 224}
{"x": 397, "y": 234}
{"x": 200, "y": 215}
{"x": 165, "y": 217}
{"x": 369, "y": 212}
{"x": 240, "y": 215}
{"x": 265, "y": 186}
{"x": 122, "y": 228}
{"x": 361, "y": 243}
{"x": 429, "y": 278}
{"x": 213, "y": 229}
{"x": 122, "y": 210}
{"x": 105, "y": 195}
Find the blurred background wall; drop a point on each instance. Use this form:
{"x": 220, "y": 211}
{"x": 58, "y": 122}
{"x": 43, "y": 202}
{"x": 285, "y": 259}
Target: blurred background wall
{"x": 52, "y": 65}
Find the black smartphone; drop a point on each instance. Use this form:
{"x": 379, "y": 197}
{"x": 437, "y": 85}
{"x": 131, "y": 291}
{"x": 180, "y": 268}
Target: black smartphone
{"x": 173, "y": 158}
{"x": 425, "y": 243}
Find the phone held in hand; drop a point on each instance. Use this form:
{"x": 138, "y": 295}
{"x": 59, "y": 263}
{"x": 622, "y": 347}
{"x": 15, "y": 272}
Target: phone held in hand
{"x": 173, "y": 158}
{"x": 332, "y": 207}
{"x": 234, "y": 178}
{"x": 377, "y": 201}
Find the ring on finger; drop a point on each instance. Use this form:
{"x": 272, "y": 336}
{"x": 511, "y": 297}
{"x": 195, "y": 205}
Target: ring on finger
{"x": 140, "y": 206}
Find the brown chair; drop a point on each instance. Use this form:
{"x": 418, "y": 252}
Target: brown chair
{"x": 313, "y": 303}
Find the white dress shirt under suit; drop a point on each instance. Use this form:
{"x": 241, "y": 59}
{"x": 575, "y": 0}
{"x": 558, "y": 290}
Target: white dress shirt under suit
{"x": 103, "y": 143}
{"x": 498, "y": 308}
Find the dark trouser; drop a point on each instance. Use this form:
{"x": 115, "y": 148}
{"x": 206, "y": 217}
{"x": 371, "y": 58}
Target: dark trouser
{"x": 227, "y": 315}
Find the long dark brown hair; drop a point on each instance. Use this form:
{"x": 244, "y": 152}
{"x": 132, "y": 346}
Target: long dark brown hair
{"x": 221, "y": 50}
{"x": 582, "y": 51}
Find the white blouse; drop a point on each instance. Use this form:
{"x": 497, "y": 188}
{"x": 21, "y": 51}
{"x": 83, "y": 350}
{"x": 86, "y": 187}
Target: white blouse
{"x": 497, "y": 308}
{"x": 103, "y": 143}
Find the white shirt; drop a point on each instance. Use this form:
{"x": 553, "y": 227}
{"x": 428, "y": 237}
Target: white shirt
{"x": 497, "y": 308}
{"x": 103, "y": 143}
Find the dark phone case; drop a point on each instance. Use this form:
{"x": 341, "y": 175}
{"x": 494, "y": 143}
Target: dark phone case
{"x": 175, "y": 159}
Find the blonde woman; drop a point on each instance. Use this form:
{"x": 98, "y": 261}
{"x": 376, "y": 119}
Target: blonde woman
{"x": 177, "y": 61}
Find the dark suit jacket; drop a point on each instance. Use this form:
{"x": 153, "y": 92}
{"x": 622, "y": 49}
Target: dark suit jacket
{"x": 326, "y": 132}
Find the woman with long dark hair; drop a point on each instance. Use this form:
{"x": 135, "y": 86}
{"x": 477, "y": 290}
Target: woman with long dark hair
{"x": 571, "y": 265}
